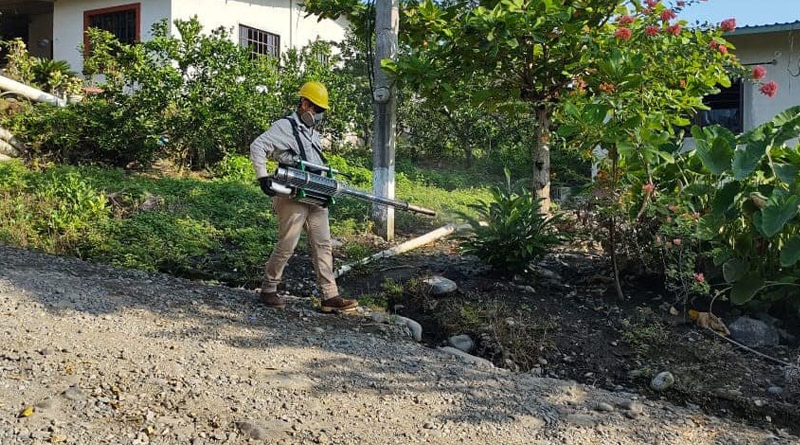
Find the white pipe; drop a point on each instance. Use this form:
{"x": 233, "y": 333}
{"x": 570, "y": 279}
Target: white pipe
{"x": 405, "y": 247}
{"x": 6, "y": 136}
{"x": 31, "y": 93}
{"x": 8, "y": 149}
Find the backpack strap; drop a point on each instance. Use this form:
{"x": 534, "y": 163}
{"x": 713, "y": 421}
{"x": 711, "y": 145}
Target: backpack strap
{"x": 300, "y": 145}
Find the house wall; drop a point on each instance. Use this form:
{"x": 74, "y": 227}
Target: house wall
{"x": 282, "y": 17}
{"x": 763, "y": 48}
{"x": 40, "y": 29}
{"x": 68, "y": 24}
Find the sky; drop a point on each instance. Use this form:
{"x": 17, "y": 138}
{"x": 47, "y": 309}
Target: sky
{"x": 746, "y": 12}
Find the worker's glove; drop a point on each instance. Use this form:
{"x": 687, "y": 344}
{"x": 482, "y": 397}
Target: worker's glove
{"x": 266, "y": 185}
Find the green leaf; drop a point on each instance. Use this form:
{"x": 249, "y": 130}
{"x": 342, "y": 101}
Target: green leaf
{"x": 724, "y": 198}
{"x": 746, "y": 288}
{"x": 745, "y": 160}
{"x": 786, "y": 172}
{"x": 734, "y": 269}
{"x": 790, "y": 253}
{"x": 715, "y": 148}
{"x": 779, "y": 210}
{"x": 710, "y": 226}
{"x": 567, "y": 130}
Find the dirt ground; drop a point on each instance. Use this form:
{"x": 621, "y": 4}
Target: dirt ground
{"x": 91, "y": 354}
{"x": 579, "y": 330}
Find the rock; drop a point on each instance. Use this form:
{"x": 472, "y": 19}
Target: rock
{"x": 4, "y": 158}
{"x": 377, "y": 317}
{"x": 604, "y": 407}
{"x": 466, "y": 357}
{"x": 440, "y": 286}
{"x": 273, "y": 430}
{"x": 547, "y": 274}
{"x": 461, "y": 342}
{"x": 775, "y": 390}
{"x": 429, "y": 425}
{"x": 630, "y": 405}
{"x": 583, "y": 420}
{"x": 662, "y": 381}
{"x": 413, "y": 326}
{"x": 753, "y": 333}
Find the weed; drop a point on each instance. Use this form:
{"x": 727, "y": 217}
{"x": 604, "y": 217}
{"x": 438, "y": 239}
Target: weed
{"x": 645, "y": 332}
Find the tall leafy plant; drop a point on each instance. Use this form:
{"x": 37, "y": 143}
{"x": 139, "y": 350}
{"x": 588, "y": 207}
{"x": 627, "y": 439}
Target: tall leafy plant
{"x": 509, "y": 232}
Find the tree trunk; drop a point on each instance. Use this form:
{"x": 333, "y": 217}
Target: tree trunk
{"x": 541, "y": 157}
{"x": 468, "y": 156}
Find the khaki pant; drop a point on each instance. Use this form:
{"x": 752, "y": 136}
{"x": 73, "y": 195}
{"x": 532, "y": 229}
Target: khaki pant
{"x": 293, "y": 216}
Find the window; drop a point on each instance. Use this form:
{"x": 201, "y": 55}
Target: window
{"x": 122, "y": 21}
{"x": 260, "y": 42}
{"x": 726, "y": 109}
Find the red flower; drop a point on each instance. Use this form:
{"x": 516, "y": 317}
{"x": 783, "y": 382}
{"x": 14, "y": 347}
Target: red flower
{"x": 674, "y": 30}
{"x": 700, "y": 278}
{"x": 758, "y": 72}
{"x": 712, "y": 44}
{"x": 677, "y": 241}
{"x": 668, "y": 15}
{"x": 723, "y": 49}
{"x": 728, "y": 25}
{"x": 648, "y": 188}
{"x": 623, "y": 33}
{"x": 625, "y": 20}
{"x": 769, "y": 88}
{"x": 651, "y": 3}
{"x": 652, "y": 30}
{"x": 680, "y": 3}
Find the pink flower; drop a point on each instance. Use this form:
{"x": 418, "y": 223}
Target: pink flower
{"x": 674, "y": 208}
{"x": 648, "y": 188}
{"x": 728, "y": 25}
{"x": 674, "y": 30}
{"x": 758, "y": 72}
{"x": 712, "y": 44}
{"x": 623, "y": 33}
{"x": 668, "y": 15}
{"x": 651, "y": 3}
{"x": 696, "y": 216}
{"x": 677, "y": 241}
{"x": 723, "y": 49}
{"x": 625, "y": 20}
{"x": 700, "y": 278}
{"x": 652, "y": 30}
{"x": 769, "y": 89}
{"x": 680, "y": 3}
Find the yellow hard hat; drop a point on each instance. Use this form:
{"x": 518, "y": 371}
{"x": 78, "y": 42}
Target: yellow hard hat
{"x": 316, "y": 93}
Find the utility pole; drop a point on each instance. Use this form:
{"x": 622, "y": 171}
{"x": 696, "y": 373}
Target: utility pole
{"x": 387, "y": 24}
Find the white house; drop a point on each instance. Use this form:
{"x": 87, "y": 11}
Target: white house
{"x": 743, "y": 107}
{"x": 55, "y": 28}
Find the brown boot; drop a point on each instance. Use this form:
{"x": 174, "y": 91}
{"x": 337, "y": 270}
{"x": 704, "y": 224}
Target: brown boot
{"x": 338, "y": 304}
{"x": 271, "y": 299}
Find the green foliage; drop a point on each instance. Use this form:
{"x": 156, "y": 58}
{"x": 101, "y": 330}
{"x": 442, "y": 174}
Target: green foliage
{"x": 509, "y": 232}
{"x": 52, "y": 76}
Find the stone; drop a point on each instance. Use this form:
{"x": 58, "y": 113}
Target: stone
{"x": 753, "y": 333}
{"x": 461, "y": 342}
{"x": 4, "y": 158}
{"x": 630, "y": 405}
{"x": 414, "y": 327}
{"x": 466, "y": 357}
{"x": 662, "y": 381}
{"x": 604, "y": 407}
{"x": 440, "y": 286}
{"x": 74, "y": 393}
{"x": 775, "y": 390}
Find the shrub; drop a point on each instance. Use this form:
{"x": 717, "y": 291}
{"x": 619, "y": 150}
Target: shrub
{"x": 509, "y": 232}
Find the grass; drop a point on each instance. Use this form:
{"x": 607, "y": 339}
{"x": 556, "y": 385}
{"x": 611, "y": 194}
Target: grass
{"x": 218, "y": 228}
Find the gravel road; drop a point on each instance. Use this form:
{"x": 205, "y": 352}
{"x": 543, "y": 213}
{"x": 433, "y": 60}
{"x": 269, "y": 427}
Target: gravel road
{"x": 91, "y": 354}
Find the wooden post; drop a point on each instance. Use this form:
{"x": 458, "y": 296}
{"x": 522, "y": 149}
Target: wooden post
{"x": 387, "y": 23}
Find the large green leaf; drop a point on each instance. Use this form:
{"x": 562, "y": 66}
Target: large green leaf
{"x": 724, "y": 198}
{"x": 747, "y": 158}
{"x": 786, "y": 172}
{"x": 790, "y": 254}
{"x": 780, "y": 209}
{"x": 715, "y": 148}
{"x": 746, "y": 288}
{"x": 734, "y": 269}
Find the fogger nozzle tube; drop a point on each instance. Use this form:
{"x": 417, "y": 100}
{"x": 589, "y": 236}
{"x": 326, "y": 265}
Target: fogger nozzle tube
{"x": 304, "y": 182}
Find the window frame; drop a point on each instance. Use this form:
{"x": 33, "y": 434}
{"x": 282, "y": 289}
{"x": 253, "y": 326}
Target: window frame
{"x": 90, "y": 13}
{"x": 243, "y": 28}
{"x": 738, "y": 86}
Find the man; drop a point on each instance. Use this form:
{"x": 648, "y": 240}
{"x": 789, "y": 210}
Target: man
{"x": 288, "y": 141}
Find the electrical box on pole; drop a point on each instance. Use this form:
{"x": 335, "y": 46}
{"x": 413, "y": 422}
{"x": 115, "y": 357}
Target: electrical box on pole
{"x": 387, "y": 24}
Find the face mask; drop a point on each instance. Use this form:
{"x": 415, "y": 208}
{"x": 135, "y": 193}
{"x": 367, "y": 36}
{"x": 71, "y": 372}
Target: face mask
{"x": 312, "y": 120}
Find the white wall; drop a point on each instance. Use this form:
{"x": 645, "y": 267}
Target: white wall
{"x": 68, "y": 24}
{"x": 760, "y": 48}
{"x": 282, "y": 17}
